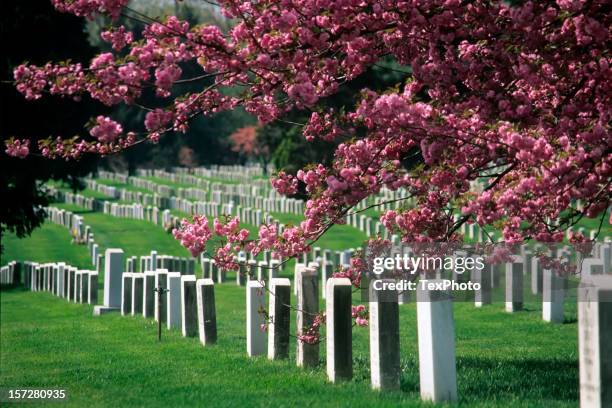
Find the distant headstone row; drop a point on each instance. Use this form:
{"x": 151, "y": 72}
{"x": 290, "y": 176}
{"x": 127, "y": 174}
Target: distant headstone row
{"x": 258, "y": 194}
{"x": 10, "y": 274}
{"x": 62, "y": 280}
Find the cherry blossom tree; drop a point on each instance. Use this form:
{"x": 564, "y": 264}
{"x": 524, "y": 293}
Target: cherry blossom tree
{"x": 514, "y": 95}
{"x": 243, "y": 140}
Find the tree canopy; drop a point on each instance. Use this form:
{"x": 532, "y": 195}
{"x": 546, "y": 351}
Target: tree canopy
{"x": 514, "y": 96}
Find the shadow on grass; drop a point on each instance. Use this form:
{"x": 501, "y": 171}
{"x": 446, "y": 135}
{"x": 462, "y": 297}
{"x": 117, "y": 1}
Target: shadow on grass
{"x": 13, "y": 288}
{"x": 491, "y": 379}
{"x": 523, "y": 378}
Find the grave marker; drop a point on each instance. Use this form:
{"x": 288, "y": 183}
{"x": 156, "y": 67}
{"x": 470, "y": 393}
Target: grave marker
{"x": 436, "y": 337}
{"x": 137, "y": 293}
{"x": 514, "y": 286}
{"x": 280, "y": 318}
{"x": 307, "y": 309}
{"x": 161, "y": 284}
{"x": 255, "y": 300}
{"x": 595, "y": 341}
{"x": 384, "y": 338}
{"x": 207, "y": 319}
{"x": 113, "y": 270}
{"x": 126, "y": 294}
{"x": 552, "y": 297}
{"x": 174, "y": 301}
{"x": 339, "y": 338}
{"x": 189, "y": 306}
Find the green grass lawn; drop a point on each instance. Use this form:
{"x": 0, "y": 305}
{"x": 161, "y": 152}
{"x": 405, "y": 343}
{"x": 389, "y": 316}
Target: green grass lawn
{"x": 503, "y": 360}
{"x": 50, "y": 243}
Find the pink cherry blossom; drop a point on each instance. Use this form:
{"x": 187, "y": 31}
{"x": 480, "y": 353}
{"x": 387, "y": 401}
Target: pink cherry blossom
{"x": 18, "y": 148}
{"x": 106, "y": 129}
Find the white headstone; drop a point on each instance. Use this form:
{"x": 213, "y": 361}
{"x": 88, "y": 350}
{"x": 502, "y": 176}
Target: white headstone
{"x": 174, "y": 301}
{"x": 595, "y": 341}
{"x": 113, "y": 271}
{"x": 255, "y": 301}
{"x": 339, "y": 339}
{"x": 280, "y": 317}
{"x": 207, "y": 320}
{"x": 553, "y": 294}
{"x": 436, "y": 337}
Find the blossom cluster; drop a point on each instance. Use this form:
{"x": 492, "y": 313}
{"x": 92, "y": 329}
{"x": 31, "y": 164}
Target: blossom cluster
{"x": 194, "y": 236}
{"x": 17, "y": 148}
{"x": 312, "y": 333}
{"x": 360, "y": 314}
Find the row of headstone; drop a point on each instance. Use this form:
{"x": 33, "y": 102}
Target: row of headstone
{"x": 81, "y": 233}
{"x": 254, "y": 199}
{"x": 147, "y": 206}
{"x": 545, "y": 282}
{"x": 229, "y": 173}
{"x": 435, "y": 322}
{"x": 10, "y": 274}
{"x": 62, "y": 280}
{"x": 134, "y": 211}
{"x": 245, "y": 195}
{"x": 248, "y": 214}
{"x": 367, "y": 225}
{"x": 69, "y": 197}
{"x": 132, "y": 293}
{"x": 177, "y": 301}
{"x": 249, "y": 269}
{"x": 109, "y": 191}
{"x": 154, "y": 261}
{"x": 112, "y": 176}
{"x": 139, "y": 212}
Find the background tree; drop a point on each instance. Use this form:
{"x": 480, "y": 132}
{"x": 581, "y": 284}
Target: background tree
{"x": 250, "y": 146}
{"x": 34, "y": 31}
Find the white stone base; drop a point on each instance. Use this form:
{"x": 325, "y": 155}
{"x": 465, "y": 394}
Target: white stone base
{"x": 101, "y": 309}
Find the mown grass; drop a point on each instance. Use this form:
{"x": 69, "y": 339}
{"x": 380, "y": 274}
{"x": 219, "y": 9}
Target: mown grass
{"x": 135, "y": 237}
{"x": 503, "y": 360}
{"x": 50, "y": 243}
